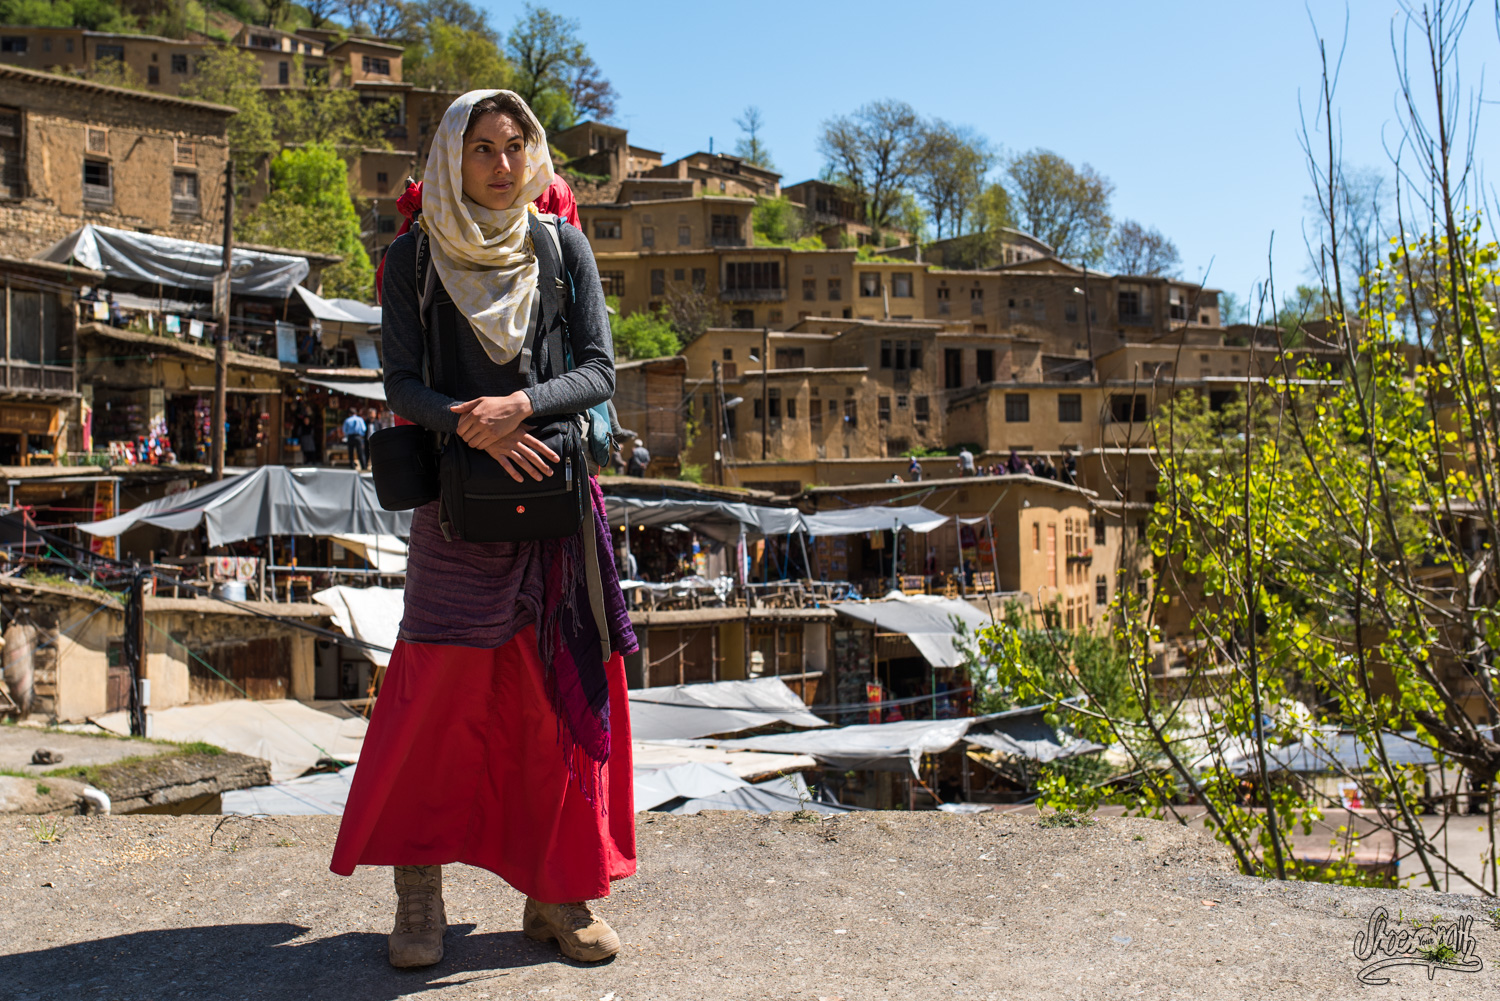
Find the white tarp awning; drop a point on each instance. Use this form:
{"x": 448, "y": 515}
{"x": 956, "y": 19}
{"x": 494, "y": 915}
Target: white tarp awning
{"x": 356, "y": 314}
{"x": 164, "y": 260}
{"x": 372, "y": 390}
{"x": 648, "y": 755}
{"x": 716, "y": 519}
{"x": 385, "y": 553}
{"x": 858, "y": 520}
{"x": 321, "y": 794}
{"x": 716, "y": 787}
{"x": 655, "y": 786}
{"x": 885, "y": 747}
{"x": 1041, "y": 745}
{"x": 371, "y": 614}
{"x": 779, "y": 795}
{"x": 291, "y": 736}
{"x": 271, "y": 500}
{"x": 1330, "y": 751}
{"x": 683, "y": 712}
{"x": 926, "y": 619}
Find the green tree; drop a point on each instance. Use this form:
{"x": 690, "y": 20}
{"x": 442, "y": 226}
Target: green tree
{"x": 643, "y": 335}
{"x": 876, "y": 151}
{"x": 750, "y": 147}
{"x": 776, "y": 222}
{"x": 951, "y": 176}
{"x": 309, "y": 208}
{"x": 227, "y": 75}
{"x": 553, "y": 70}
{"x": 95, "y": 15}
{"x": 1136, "y": 250}
{"x": 448, "y": 57}
{"x": 1061, "y": 204}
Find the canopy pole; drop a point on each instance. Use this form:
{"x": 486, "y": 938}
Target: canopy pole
{"x": 958, "y": 536}
{"x": 806, "y": 564}
{"x": 221, "y": 349}
{"x": 895, "y": 549}
{"x": 994, "y": 556}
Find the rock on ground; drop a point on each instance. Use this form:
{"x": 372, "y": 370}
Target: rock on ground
{"x": 725, "y": 905}
{"x": 19, "y": 743}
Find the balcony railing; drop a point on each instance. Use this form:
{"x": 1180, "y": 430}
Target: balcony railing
{"x": 752, "y": 295}
{"x": 1136, "y": 319}
{"x": 45, "y": 379}
{"x": 726, "y": 241}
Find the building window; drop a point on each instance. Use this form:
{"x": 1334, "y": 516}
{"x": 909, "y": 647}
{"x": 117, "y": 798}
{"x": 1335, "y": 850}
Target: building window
{"x": 13, "y": 43}
{"x": 1069, "y": 408}
{"x": 1038, "y": 311}
{"x": 382, "y": 179}
{"x": 724, "y": 231}
{"x": 283, "y": 73}
{"x": 976, "y": 301}
{"x": 984, "y": 364}
{"x": 851, "y": 414}
{"x": 744, "y": 319}
{"x": 1070, "y": 310}
{"x": 809, "y": 289}
{"x": 606, "y": 229}
{"x": 1099, "y": 530}
{"x": 269, "y": 42}
{"x": 648, "y": 236}
{"x": 103, "y": 52}
{"x": 684, "y": 236}
{"x": 658, "y": 281}
{"x": 185, "y": 192}
{"x": 12, "y": 169}
{"x": 1036, "y": 537}
{"x": 387, "y": 224}
{"x": 774, "y": 318}
{"x": 835, "y": 289}
{"x": 96, "y": 182}
{"x": 953, "y": 368}
{"x": 700, "y": 279}
{"x": 180, "y": 63}
{"x": 745, "y": 276}
{"x": 901, "y": 285}
{"x": 34, "y": 322}
{"x": 815, "y": 414}
{"x": 377, "y": 66}
{"x": 922, "y": 413}
{"x": 869, "y": 285}
{"x": 184, "y": 154}
{"x": 773, "y": 397}
{"x": 1017, "y": 408}
{"x": 153, "y": 75}
{"x": 883, "y": 409}
{"x": 678, "y": 274}
{"x": 613, "y": 282}
{"x": 903, "y": 402}
{"x": 791, "y": 358}
{"x": 1127, "y": 408}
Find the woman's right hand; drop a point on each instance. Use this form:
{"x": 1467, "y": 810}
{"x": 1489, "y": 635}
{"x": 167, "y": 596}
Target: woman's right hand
{"x": 519, "y": 452}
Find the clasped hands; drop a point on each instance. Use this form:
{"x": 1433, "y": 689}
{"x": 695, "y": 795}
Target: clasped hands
{"x": 492, "y": 424}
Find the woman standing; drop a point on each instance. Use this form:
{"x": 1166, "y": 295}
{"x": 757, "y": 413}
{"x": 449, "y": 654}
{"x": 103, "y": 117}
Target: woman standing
{"x": 500, "y": 737}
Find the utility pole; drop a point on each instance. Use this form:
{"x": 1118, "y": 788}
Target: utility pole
{"x": 221, "y": 349}
{"x": 1088, "y": 323}
{"x": 718, "y": 453}
{"x": 765, "y": 392}
{"x": 134, "y": 651}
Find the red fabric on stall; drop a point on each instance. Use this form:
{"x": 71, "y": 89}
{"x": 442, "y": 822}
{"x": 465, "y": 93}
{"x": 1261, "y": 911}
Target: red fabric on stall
{"x": 462, "y": 763}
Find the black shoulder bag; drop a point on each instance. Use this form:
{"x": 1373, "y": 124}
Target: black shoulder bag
{"x": 481, "y": 502}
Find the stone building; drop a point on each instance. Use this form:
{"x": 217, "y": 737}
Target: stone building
{"x": 75, "y": 152}
{"x": 38, "y": 378}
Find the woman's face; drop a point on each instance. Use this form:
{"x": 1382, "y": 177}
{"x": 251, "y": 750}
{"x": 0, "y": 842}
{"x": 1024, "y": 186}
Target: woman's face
{"x": 494, "y": 161}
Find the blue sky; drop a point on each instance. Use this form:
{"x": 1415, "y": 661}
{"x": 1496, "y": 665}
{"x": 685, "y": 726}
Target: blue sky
{"x": 1191, "y": 109}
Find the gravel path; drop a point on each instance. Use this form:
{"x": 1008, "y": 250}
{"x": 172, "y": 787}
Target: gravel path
{"x": 865, "y": 906}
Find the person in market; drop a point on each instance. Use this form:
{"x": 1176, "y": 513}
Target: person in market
{"x": 500, "y": 737}
{"x": 356, "y": 438}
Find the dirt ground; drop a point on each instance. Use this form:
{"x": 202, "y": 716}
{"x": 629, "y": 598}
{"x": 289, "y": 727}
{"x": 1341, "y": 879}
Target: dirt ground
{"x": 725, "y": 905}
{"x": 18, "y": 743}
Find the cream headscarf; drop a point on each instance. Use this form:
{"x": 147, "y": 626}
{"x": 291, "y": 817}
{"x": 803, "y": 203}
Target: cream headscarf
{"x": 484, "y": 257}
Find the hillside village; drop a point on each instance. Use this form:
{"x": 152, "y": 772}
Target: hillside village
{"x": 865, "y": 446}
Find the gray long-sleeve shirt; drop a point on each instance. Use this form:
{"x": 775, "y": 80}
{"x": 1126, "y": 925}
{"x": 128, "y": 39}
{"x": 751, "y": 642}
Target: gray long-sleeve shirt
{"x": 590, "y": 382}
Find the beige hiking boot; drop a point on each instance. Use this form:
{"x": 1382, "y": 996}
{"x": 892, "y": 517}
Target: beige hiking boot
{"x": 421, "y": 919}
{"x": 581, "y": 934}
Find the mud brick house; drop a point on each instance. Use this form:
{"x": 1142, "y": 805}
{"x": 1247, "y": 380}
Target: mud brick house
{"x": 75, "y": 152}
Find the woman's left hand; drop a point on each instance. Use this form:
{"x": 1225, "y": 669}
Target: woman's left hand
{"x": 487, "y": 420}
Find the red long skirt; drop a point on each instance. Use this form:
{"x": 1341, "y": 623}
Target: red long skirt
{"x": 462, "y": 763}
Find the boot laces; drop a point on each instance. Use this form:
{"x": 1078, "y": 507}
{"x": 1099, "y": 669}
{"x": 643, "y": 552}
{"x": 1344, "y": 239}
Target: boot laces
{"x": 578, "y": 916}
